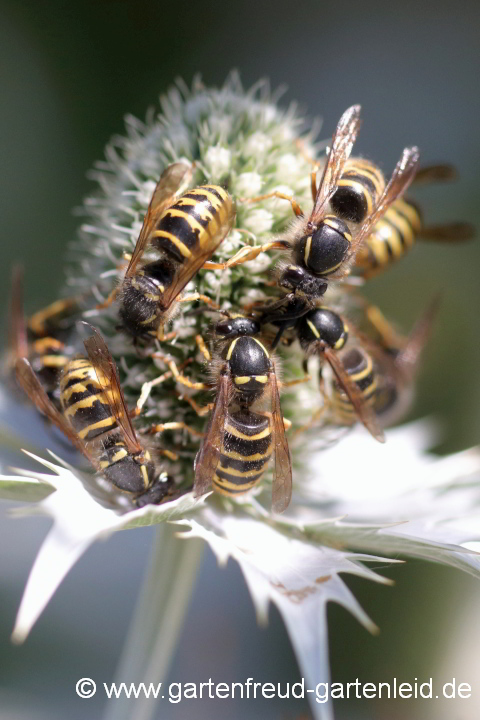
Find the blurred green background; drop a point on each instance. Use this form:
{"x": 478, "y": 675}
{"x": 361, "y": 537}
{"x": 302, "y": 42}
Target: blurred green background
{"x": 68, "y": 74}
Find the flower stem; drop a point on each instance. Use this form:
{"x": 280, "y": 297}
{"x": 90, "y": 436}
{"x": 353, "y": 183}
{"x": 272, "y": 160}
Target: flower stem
{"x": 158, "y": 620}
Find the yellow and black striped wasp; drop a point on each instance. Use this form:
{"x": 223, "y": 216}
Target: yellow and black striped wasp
{"x": 186, "y": 231}
{"x": 42, "y": 337}
{"x": 95, "y": 418}
{"x": 322, "y": 246}
{"x": 324, "y": 333}
{"x": 402, "y": 224}
{"x": 240, "y": 437}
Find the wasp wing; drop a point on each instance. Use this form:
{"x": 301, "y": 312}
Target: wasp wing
{"x": 435, "y": 173}
{"x": 282, "y": 479}
{"x": 402, "y": 176}
{"x": 189, "y": 268}
{"x": 209, "y": 454}
{"x": 33, "y": 388}
{"x": 18, "y": 344}
{"x": 364, "y": 412}
{"x": 170, "y": 181}
{"x": 107, "y": 376}
{"x": 408, "y": 358}
{"x": 342, "y": 144}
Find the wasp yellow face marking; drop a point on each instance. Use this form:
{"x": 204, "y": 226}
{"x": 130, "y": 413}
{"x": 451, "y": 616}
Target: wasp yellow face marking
{"x": 240, "y": 380}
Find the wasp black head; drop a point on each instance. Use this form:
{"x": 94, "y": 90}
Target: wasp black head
{"x": 236, "y": 327}
{"x": 296, "y": 278}
{"x": 324, "y": 325}
{"x": 326, "y": 248}
{"x": 141, "y": 307}
{"x": 249, "y": 366}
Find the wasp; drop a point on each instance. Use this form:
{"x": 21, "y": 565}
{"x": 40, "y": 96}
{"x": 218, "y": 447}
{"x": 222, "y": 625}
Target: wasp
{"x": 321, "y": 245}
{"x": 186, "y": 231}
{"x": 383, "y": 369}
{"x": 323, "y": 332}
{"x": 39, "y": 338}
{"x": 240, "y": 439}
{"x": 397, "y": 231}
{"x": 95, "y": 418}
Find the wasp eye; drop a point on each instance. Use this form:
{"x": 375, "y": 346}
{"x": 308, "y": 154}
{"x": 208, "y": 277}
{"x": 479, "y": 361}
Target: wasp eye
{"x": 235, "y": 327}
{"x": 324, "y": 251}
{"x": 292, "y": 276}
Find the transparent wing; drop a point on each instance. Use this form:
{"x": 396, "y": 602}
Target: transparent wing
{"x": 282, "y": 478}
{"x": 107, "y": 375}
{"x": 163, "y": 196}
{"x": 189, "y": 269}
{"x": 402, "y": 176}
{"x": 342, "y": 144}
{"x": 33, "y": 388}
{"x": 407, "y": 360}
{"x": 364, "y": 412}
{"x": 435, "y": 173}
{"x": 209, "y": 454}
{"x": 18, "y": 345}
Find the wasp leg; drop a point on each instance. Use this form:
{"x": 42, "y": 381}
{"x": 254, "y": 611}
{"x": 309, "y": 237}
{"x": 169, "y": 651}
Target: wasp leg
{"x": 312, "y": 422}
{"x": 172, "y": 366}
{"x": 298, "y": 381}
{"x": 247, "y": 253}
{"x": 201, "y": 411}
{"x": 167, "y": 453}
{"x": 147, "y": 388}
{"x": 281, "y": 196}
{"x": 389, "y": 337}
{"x": 160, "y": 334}
{"x": 198, "y": 296}
{"x": 110, "y": 299}
{"x": 202, "y": 347}
{"x": 161, "y": 427}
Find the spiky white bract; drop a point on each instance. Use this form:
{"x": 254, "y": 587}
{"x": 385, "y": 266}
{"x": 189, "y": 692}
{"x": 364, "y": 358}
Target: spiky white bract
{"x": 294, "y": 561}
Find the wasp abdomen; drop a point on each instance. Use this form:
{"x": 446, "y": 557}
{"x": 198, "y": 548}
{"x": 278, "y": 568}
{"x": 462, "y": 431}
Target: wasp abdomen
{"x": 247, "y": 447}
{"x": 191, "y": 221}
{"x": 83, "y": 401}
{"x": 358, "y": 190}
{"x": 359, "y": 366}
{"x": 391, "y": 237}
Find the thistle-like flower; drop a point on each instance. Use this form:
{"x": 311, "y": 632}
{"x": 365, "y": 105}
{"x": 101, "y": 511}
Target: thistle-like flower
{"x": 353, "y": 502}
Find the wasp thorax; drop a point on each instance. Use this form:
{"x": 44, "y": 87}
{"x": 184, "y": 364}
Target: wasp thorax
{"x": 249, "y": 365}
{"x": 140, "y": 310}
{"x": 323, "y": 251}
{"x": 324, "y": 325}
{"x": 236, "y": 327}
